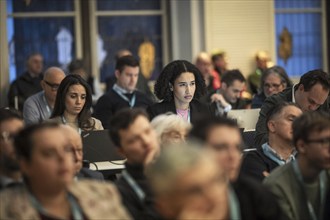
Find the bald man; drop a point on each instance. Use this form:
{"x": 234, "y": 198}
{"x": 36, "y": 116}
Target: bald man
{"x": 77, "y": 148}
{"x": 39, "y": 107}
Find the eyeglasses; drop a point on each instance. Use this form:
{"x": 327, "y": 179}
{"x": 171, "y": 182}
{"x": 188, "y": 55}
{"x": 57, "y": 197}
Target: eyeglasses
{"x": 323, "y": 141}
{"x": 54, "y": 87}
{"x": 276, "y": 86}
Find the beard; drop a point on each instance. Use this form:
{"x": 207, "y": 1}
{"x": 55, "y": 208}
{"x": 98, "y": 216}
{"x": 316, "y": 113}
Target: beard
{"x": 9, "y": 164}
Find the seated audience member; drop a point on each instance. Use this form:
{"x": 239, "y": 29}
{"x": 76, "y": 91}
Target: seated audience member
{"x": 46, "y": 161}
{"x": 273, "y": 81}
{"x": 222, "y": 136}
{"x": 220, "y": 63}
{"x": 142, "y": 82}
{"x": 279, "y": 149}
{"x": 188, "y": 184}
{"x": 301, "y": 186}
{"x": 39, "y": 107}
{"x": 73, "y": 105}
{"x": 123, "y": 93}
{"x": 28, "y": 83}
{"x": 310, "y": 94}
{"x": 228, "y": 97}
{"x": 170, "y": 128}
{"x": 10, "y": 124}
{"x": 262, "y": 61}
{"x": 77, "y": 148}
{"x": 78, "y": 67}
{"x": 204, "y": 64}
{"x": 136, "y": 140}
{"x": 179, "y": 86}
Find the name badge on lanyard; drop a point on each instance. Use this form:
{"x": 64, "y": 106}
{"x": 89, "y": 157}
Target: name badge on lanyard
{"x": 131, "y": 102}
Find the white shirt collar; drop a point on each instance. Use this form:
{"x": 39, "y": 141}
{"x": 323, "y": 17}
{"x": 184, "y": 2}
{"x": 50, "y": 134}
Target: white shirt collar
{"x": 293, "y": 98}
{"x": 120, "y": 89}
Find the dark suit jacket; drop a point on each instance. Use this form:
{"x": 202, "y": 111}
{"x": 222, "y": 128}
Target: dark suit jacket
{"x": 256, "y": 201}
{"x": 23, "y": 87}
{"x": 86, "y": 173}
{"x": 111, "y": 102}
{"x": 196, "y": 108}
{"x": 255, "y": 162}
{"x": 285, "y": 96}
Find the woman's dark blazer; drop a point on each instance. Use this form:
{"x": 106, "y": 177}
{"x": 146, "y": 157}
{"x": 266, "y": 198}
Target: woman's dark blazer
{"x": 196, "y": 108}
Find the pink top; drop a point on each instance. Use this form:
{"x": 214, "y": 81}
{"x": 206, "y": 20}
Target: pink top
{"x": 183, "y": 113}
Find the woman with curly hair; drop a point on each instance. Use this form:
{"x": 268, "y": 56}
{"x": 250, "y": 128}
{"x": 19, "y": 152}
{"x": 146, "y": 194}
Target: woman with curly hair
{"x": 73, "y": 105}
{"x": 179, "y": 85}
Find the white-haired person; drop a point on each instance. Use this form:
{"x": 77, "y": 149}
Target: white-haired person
{"x": 170, "y": 128}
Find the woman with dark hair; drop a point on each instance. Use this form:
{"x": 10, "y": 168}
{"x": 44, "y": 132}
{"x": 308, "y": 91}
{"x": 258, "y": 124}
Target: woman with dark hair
{"x": 73, "y": 104}
{"x": 179, "y": 85}
{"x": 273, "y": 81}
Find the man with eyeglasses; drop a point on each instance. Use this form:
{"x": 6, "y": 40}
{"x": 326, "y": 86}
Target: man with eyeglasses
{"x": 10, "y": 124}
{"x": 222, "y": 137}
{"x": 39, "y": 107}
{"x": 310, "y": 94}
{"x": 301, "y": 186}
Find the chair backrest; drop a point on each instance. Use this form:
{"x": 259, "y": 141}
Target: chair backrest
{"x": 246, "y": 118}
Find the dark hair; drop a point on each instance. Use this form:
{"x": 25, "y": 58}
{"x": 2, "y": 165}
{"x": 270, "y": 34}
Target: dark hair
{"x": 76, "y": 65}
{"x": 8, "y": 114}
{"x": 309, "y": 79}
{"x": 219, "y": 55}
{"x": 171, "y": 72}
{"x": 122, "y": 120}
{"x": 126, "y": 61}
{"x": 231, "y": 75}
{"x": 278, "y": 109}
{"x": 309, "y": 122}
{"x": 205, "y": 123}
{"x": 280, "y": 72}
{"x": 23, "y": 141}
{"x": 85, "y": 121}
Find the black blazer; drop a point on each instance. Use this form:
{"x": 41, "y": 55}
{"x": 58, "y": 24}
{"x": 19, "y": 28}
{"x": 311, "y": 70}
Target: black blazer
{"x": 196, "y": 108}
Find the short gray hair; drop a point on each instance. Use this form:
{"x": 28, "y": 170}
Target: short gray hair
{"x": 169, "y": 122}
{"x": 172, "y": 162}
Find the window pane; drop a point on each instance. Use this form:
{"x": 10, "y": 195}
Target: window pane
{"x": 129, "y": 32}
{"x": 305, "y": 29}
{"x": 39, "y": 5}
{"x": 52, "y": 37}
{"x": 297, "y": 3}
{"x": 106, "y": 5}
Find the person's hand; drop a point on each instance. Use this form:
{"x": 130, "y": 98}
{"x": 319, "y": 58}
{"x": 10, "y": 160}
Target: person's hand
{"x": 265, "y": 173}
{"x": 216, "y": 97}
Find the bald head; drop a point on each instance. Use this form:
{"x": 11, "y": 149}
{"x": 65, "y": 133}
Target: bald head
{"x": 76, "y": 144}
{"x": 53, "y": 77}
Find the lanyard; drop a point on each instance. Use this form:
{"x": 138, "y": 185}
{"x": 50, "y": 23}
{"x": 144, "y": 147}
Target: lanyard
{"x": 188, "y": 115}
{"x": 64, "y": 122}
{"x": 121, "y": 94}
{"x": 139, "y": 192}
{"x": 234, "y": 208}
{"x": 273, "y": 156}
{"x": 322, "y": 190}
{"x": 75, "y": 209}
{"x": 46, "y": 104}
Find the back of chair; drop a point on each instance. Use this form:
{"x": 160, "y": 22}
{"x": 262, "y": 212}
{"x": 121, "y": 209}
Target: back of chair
{"x": 248, "y": 139}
